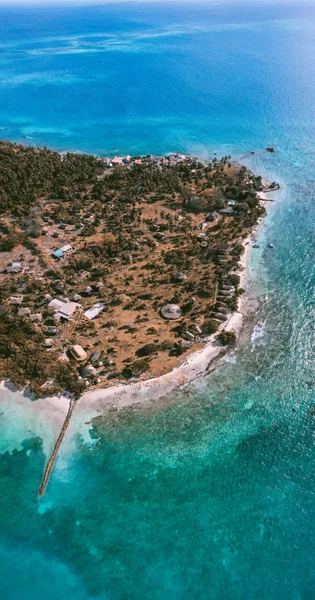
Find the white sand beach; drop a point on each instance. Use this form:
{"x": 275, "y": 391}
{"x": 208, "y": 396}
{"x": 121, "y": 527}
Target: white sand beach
{"x": 43, "y": 417}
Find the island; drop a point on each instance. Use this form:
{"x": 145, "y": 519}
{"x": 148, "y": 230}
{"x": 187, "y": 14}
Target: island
{"x": 115, "y": 269}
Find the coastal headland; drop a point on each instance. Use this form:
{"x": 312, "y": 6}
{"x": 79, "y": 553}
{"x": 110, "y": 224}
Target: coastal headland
{"x": 119, "y": 270}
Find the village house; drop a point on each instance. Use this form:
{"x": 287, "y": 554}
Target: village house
{"x": 36, "y": 317}
{"x": 15, "y": 267}
{"x": 228, "y": 212}
{"x": 61, "y": 251}
{"x": 16, "y": 299}
{"x": 64, "y": 310}
{"x": 211, "y": 217}
{"x": 95, "y": 310}
{"x": 89, "y": 371}
{"x": 95, "y": 357}
{"x": 117, "y": 160}
{"x": 51, "y": 330}
{"x": 24, "y": 312}
{"x": 78, "y": 353}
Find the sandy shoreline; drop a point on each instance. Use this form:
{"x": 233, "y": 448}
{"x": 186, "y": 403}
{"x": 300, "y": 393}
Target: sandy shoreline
{"x": 100, "y": 400}
{"x": 57, "y": 405}
{"x": 22, "y": 417}
{"x": 125, "y": 395}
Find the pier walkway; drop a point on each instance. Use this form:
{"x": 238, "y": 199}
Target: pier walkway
{"x": 52, "y": 459}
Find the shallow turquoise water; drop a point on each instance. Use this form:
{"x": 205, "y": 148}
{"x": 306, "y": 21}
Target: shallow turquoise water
{"x": 211, "y": 497}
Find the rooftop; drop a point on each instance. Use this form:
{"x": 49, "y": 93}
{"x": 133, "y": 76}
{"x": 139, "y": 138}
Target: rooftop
{"x": 63, "y": 309}
{"x": 78, "y": 352}
{"x": 171, "y": 311}
{"x": 95, "y": 310}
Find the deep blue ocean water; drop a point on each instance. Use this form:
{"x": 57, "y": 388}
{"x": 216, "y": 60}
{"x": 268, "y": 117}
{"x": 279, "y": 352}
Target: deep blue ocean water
{"x": 211, "y": 497}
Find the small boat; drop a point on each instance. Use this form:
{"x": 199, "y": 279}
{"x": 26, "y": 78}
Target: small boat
{"x": 270, "y": 245}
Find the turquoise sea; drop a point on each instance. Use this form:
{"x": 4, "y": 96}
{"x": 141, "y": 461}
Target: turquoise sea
{"x": 210, "y": 497}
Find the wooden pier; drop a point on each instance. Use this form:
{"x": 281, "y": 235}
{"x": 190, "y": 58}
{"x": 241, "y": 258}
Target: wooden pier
{"x": 52, "y": 459}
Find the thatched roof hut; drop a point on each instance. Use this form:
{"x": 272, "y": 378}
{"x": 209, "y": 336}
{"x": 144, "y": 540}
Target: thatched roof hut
{"x": 171, "y": 311}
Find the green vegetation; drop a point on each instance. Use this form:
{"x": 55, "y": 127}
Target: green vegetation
{"x": 29, "y": 173}
{"x": 227, "y": 338}
{"x": 23, "y": 357}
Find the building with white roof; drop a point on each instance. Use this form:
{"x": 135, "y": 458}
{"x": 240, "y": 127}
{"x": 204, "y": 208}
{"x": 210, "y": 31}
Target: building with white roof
{"x": 95, "y": 310}
{"x": 15, "y": 267}
{"x": 62, "y": 309}
{"x": 16, "y": 299}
